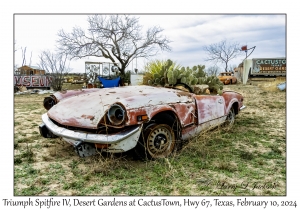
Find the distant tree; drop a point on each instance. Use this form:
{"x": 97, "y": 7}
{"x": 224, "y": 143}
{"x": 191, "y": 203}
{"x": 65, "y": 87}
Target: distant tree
{"x": 23, "y": 56}
{"x": 213, "y": 71}
{"x": 16, "y": 70}
{"x": 231, "y": 68}
{"x": 56, "y": 66}
{"x": 118, "y": 38}
{"x": 223, "y": 52}
{"x": 24, "y": 62}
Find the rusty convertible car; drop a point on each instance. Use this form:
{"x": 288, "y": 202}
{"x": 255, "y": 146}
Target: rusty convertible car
{"x": 153, "y": 121}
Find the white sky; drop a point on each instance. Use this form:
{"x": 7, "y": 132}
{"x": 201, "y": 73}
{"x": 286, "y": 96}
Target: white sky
{"x": 188, "y": 33}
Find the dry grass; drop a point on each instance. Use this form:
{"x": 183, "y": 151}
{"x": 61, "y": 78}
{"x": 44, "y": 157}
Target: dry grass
{"x": 270, "y": 85}
{"x": 253, "y": 150}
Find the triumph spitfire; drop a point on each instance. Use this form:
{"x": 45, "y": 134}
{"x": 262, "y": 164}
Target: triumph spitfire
{"x": 153, "y": 121}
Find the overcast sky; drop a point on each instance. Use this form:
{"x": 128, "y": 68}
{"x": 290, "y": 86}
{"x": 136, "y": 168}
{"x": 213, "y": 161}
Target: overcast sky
{"x": 188, "y": 33}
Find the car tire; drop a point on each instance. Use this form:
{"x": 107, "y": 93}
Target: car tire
{"x": 230, "y": 117}
{"x": 158, "y": 140}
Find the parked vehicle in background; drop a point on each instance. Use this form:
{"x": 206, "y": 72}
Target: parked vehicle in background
{"x": 227, "y": 78}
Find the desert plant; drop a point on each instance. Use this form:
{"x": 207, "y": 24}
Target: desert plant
{"x": 185, "y": 75}
{"x": 167, "y": 73}
{"x": 156, "y": 72}
{"x": 214, "y": 84}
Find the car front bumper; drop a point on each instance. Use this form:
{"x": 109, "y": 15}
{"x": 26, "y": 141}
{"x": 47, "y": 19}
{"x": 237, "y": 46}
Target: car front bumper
{"x": 242, "y": 107}
{"x": 118, "y": 142}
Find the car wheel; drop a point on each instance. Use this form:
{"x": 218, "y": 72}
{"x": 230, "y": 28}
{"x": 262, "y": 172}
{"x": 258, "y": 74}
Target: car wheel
{"x": 230, "y": 117}
{"x": 157, "y": 141}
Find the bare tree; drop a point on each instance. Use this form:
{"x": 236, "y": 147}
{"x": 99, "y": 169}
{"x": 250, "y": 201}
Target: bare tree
{"x": 213, "y": 71}
{"x": 115, "y": 37}
{"x": 223, "y": 52}
{"x": 23, "y": 56}
{"x": 16, "y": 71}
{"x": 231, "y": 68}
{"x": 55, "y": 65}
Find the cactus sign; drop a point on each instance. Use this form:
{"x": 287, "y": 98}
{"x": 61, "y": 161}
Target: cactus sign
{"x": 269, "y": 67}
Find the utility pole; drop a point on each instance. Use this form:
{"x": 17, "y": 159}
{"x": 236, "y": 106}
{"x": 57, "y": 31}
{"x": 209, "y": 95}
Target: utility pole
{"x": 244, "y": 48}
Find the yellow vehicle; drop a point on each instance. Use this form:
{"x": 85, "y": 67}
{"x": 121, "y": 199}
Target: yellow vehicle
{"x": 227, "y": 78}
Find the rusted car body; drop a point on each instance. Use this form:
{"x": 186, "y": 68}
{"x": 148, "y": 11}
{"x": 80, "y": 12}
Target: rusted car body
{"x": 151, "y": 120}
{"x": 227, "y": 78}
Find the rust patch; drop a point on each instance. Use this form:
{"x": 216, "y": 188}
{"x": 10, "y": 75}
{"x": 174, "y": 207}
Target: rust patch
{"x": 183, "y": 94}
{"x": 171, "y": 105}
{"x": 70, "y": 122}
{"x": 88, "y": 117}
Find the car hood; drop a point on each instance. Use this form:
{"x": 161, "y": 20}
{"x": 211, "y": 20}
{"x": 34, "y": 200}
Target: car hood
{"x": 224, "y": 77}
{"x": 87, "y": 109}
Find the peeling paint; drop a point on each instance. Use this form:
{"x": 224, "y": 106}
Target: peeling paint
{"x": 139, "y": 104}
{"x": 86, "y": 108}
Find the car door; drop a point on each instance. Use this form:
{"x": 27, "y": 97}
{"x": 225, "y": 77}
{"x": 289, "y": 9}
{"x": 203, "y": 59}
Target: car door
{"x": 210, "y": 110}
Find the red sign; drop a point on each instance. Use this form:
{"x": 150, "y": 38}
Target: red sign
{"x": 33, "y": 81}
{"x": 244, "y": 48}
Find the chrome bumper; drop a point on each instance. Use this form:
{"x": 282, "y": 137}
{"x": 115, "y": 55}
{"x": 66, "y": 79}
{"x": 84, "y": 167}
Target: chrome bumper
{"x": 242, "y": 107}
{"x": 91, "y": 138}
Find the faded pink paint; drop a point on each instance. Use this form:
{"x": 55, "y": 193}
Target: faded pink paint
{"x": 86, "y": 108}
{"x": 95, "y": 102}
{"x": 209, "y": 107}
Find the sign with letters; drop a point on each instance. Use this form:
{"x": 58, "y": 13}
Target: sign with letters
{"x": 33, "y": 81}
{"x": 268, "y": 67}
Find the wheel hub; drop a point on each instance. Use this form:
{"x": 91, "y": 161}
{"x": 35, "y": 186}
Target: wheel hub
{"x": 160, "y": 142}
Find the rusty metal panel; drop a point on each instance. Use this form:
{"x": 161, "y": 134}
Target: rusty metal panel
{"x": 232, "y": 97}
{"x": 86, "y": 108}
{"x": 68, "y": 93}
{"x": 209, "y": 107}
{"x": 185, "y": 113}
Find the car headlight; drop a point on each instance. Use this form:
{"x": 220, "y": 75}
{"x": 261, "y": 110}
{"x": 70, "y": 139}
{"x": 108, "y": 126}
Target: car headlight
{"x": 49, "y": 102}
{"x": 116, "y": 114}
